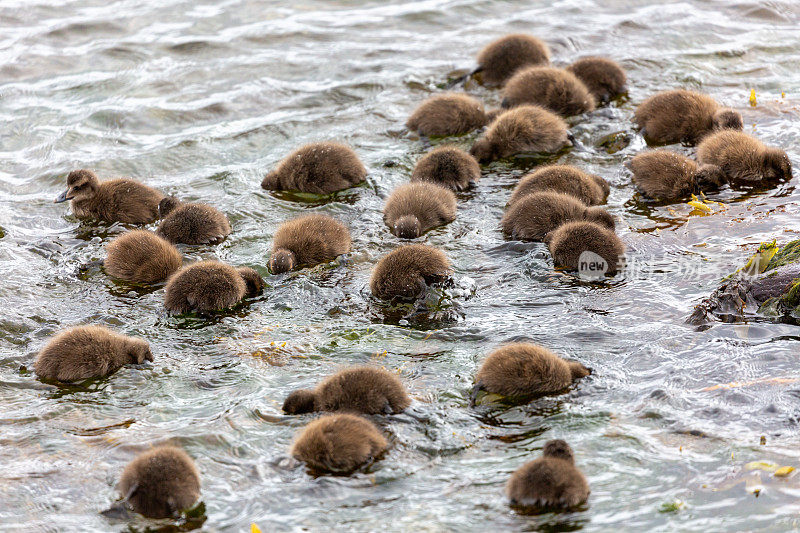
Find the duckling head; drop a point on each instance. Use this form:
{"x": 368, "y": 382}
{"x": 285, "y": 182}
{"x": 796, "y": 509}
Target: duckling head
{"x": 484, "y": 151}
{"x": 727, "y": 119}
{"x": 139, "y": 352}
{"x": 299, "y": 402}
{"x": 709, "y": 177}
{"x": 167, "y": 205}
{"x": 777, "y": 164}
{"x": 81, "y": 185}
{"x": 407, "y": 227}
{"x": 253, "y": 281}
{"x": 578, "y": 370}
{"x": 600, "y": 216}
{"x": 282, "y": 260}
{"x": 559, "y": 449}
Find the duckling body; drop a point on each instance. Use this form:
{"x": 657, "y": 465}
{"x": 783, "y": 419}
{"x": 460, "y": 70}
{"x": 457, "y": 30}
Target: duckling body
{"x": 306, "y": 241}
{"x": 210, "y": 286}
{"x": 555, "y": 89}
{"x": 191, "y": 223}
{"x": 549, "y": 481}
{"x": 141, "y": 256}
{"x": 588, "y": 188}
{"x": 320, "y": 168}
{"x": 500, "y": 59}
{"x": 668, "y": 175}
{"x": 407, "y": 271}
{"x": 449, "y": 167}
{"x": 743, "y": 157}
{"x": 85, "y": 352}
{"x": 447, "y": 114}
{"x": 537, "y": 214}
{"x": 524, "y": 129}
{"x": 339, "y": 444}
{"x": 414, "y": 208}
{"x": 570, "y": 240}
{"x": 604, "y": 78}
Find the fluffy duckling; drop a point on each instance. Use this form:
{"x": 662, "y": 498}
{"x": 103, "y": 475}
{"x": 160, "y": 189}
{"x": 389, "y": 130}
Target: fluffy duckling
{"x": 414, "y": 208}
{"x": 550, "y": 481}
{"x": 340, "y": 443}
{"x": 570, "y": 240}
{"x": 407, "y": 271}
{"x": 743, "y": 157}
{"x": 590, "y": 189}
{"x": 522, "y": 370}
{"x": 447, "y": 114}
{"x": 85, "y": 352}
{"x": 160, "y": 483}
{"x": 364, "y": 389}
{"x": 555, "y": 89}
{"x": 537, "y": 214}
{"x": 448, "y": 166}
{"x": 307, "y": 241}
{"x": 527, "y": 128}
{"x": 210, "y": 286}
{"x": 500, "y": 59}
{"x": 320, "y": 168}
{"x": 141, "y": 256}
{"x": 604, "y": 78}
{"x": 668, "y": 175}
{"x": 118, "y": 200}
{"x": 191, "y": 223}
{"x": 683, "y": 116}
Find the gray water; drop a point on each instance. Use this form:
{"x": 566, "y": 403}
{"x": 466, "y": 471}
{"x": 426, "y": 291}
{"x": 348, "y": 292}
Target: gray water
{"x": 201, "y": 98}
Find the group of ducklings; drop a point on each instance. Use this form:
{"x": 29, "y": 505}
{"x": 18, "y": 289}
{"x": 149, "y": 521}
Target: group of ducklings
{"x": 556, "y": 204}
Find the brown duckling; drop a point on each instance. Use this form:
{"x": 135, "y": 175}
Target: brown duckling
{"x": 524, "y": 129}
{"x": 320, "y": 168}
{"x": 85, "y": 352}
{"x": 604, "y": 78}
{"x": 743, "y": 157}
{"x": 414, "y": 208}
{"x": 307, "y": 241}
{"x": 118, "y": 200}
{"x": 590, "y": 189}
{"x": 407, "y": 271}
{"x": 537, "y": 214}
{"x": 160, "y": 483}
{"x": 191, "y": 223}
{"x": 569, "y": 241}
{"x": 683, "y": 116}
{"x": 340, "y": 443}
{"x": 550, "y": 481}
{"x": 210, "y": 286}
{"x": 523, "y": 370}
{"x": 364, "y": 389}
{"x": 447, "y": 114}
{"x": 667, "y": 175}
{"x": 449, "y": 167}
{"x": 141, "y": 256}
{"x": 500, "y": 59}
{"x": 553, "y": 88}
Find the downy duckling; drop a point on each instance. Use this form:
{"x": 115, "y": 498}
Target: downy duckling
{"x": 537, "y": 214}
{"x": 307, "y": 241}
{"x": 524, "y": 129}
{"x": 447, "y": 114}
{"x": 321, "y": 168}
{"x": 590, "y": 189}
{"x": 742, "y": 157}
{"x": 604, "y": 78}
{"x": 85, "y": 352}
{"x": 210, "y": 286}
{"x": 550, "y": 481}
{"x": 500, "y": 59}
{"x": 449, "y": 167}
{"x": 141, "y": 256}
{"x": 683, "y": 116}
{"x": 572, "y": 239}
{"x": 364, "y": 389}
{"x": 553, "y": 88}
{"x": 118, "y": 200}
{"x": 191, "y": 223}
{"x": 414, "y": 208}
{"x": 339, "y": 444}
{"x": 667, "y": 175}
{"x": 407, "y": 271}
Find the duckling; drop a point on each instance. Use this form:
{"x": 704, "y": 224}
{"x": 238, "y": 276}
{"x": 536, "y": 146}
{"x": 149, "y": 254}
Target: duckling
{"x": 160, "y": 483}
{"x": 85, "y": 352}
{"x": 118, "y": 200}
{"x": 588, "y": 188}
{"x": 523, "y": 370}
{"x": 448, "y": 166}
{"x": 307, "y": 241}
{"x": 537, "y": 214}
{"x": 191, "y": 223}
{"x": 210, "y": 286}
{"x": 555, "y": 89}
{"x": 572, "y": 239}
{"x": 414, "y": 208}
{"x": 447, "y": 114}
{"x": 604, "y": 78}
{"x": 550, "y": 481}
{"x": 339, "y": 444}
{"x": 527, "y": 128}
{"x": 320, "y": 168}
{"x": 500, "y": 59}
{"x": 141, "y": 256}
{"x": 668, "y": 175}
{"x": 743, "y": 157}
{"x": 683, "y": 116}
{"x": 407, "y": 271}
{"x": 364, "y": 389}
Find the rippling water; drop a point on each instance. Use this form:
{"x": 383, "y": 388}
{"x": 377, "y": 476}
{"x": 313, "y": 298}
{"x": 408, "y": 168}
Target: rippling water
{"x": 201, "y": 98}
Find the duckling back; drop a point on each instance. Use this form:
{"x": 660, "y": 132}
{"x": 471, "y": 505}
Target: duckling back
{"x": 549, "y": 481}
{"x": 537, "y": 214}
{"x": 118, "y": 200}
{"x": 742, "y": 157}
{"x": 320, "y": 168}
{"x": 604, "y": 78}
{"x": 447, "y": 114}
{"x": 192, "y": 223}
{"x": 524, "y": 129}
{"x": 588, "y": 188}
{"x": 555, "y": 89}
{"x": 366, "y": 390}
{"x": 339, "y": 444}
{"x": 141, "y": 256}
{"x": 500, "y": 59}
{"x": 449, "y": 167}
{"x": 407, "y": 271}
{"x": 204, "y": 286}
{"x": 569, "y": 241}
{"x": 414, "y": 208}
{"x": 309, "y": 240}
